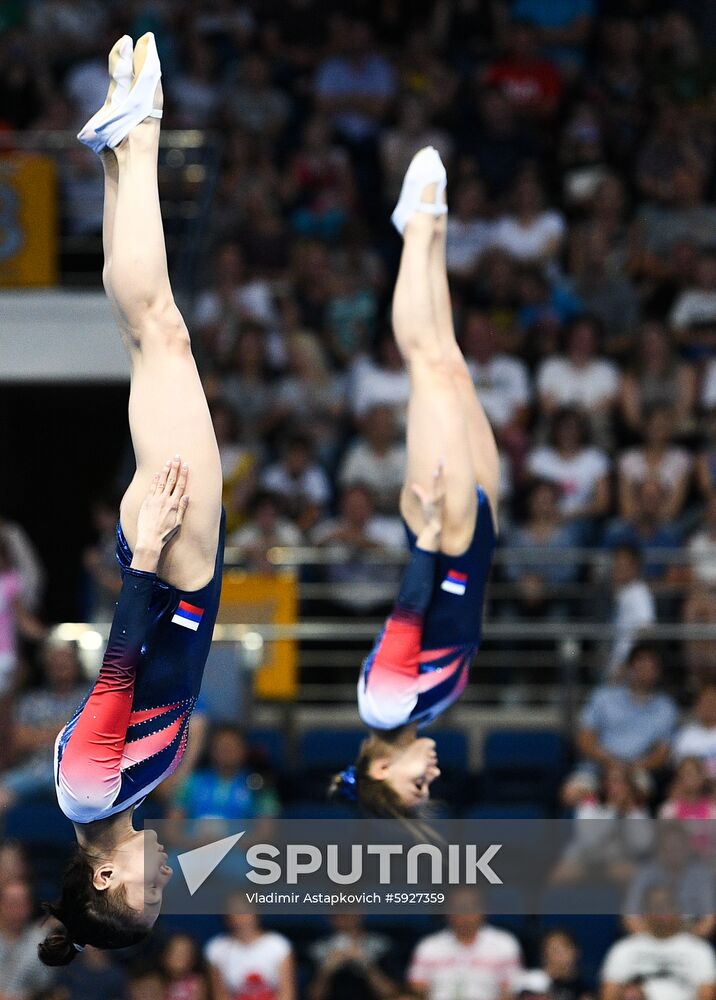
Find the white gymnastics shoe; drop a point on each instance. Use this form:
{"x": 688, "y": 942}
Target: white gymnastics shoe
{"x": 425, "y": 168}
{"x": 138, "y": 103}
{"x": 119, "y": 67}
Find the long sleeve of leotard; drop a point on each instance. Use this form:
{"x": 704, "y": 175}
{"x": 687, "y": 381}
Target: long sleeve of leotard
{"x": 89, "y": 750}
{"x": 386, "y": 690}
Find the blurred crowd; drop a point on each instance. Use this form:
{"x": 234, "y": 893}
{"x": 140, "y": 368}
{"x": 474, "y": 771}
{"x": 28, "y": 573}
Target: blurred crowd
{"x": 578, "y": 136}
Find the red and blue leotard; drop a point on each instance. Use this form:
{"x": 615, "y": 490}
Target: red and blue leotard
{"x": 130, "y": 732}
{"x": 420, "y": 663}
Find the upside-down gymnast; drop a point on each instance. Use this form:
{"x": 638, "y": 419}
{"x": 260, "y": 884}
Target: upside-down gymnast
{"x": 130, "y": 732}
{"x": 420, "y": 663}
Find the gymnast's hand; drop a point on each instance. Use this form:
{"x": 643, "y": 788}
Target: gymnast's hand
{"x": 161, "y": 514}
{"x": 432, "y": 503}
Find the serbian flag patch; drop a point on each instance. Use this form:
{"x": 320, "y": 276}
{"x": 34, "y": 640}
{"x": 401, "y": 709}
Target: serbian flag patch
{"x": 454, "y": 582}
{"x": 188, "y": 615}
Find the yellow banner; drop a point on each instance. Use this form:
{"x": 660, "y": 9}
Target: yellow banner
{"x": 251, "y": 599}
{"x": 28, "y": 221}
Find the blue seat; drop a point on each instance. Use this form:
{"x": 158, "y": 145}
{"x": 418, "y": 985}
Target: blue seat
{"x": 452, "y": 747}
{"x": 38, "y": 823}
{"x": 523, "y": 764}
{"x": 329, "y": 749}
{"x": 270, "y": 745}
{"x": 506, "y": 810}
{"x": 317, "y": 810}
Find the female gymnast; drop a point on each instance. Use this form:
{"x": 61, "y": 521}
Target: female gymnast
{"x": 130, "y": 732}
{"x": 420, "y": 663}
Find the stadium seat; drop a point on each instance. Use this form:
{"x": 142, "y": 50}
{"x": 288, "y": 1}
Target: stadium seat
{"x": 523, "y": 764}
{"x": 453, "y": 749}
{"x": 269, "y": 745}
{"x": 316, "y": 809}
{"x": 329, "y": 750}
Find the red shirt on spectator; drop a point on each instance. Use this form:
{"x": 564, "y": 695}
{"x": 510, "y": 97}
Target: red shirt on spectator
{"x": 532, "y": 86}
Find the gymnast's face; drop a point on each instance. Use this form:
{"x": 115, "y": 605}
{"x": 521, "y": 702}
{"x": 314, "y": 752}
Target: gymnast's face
{"x": 139, "y": 865}
{"x": 410, "y": 771}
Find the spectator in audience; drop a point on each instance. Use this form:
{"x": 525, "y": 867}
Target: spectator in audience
{"x": 632, "y": 722}
{"x": 563, "y": 29}
{"x": 253, "y": 102}
{"x": 100, "y": 564}
{"x": 362, "y": 584}
{"x": 318, "y": 183}
{"x": 27, "y": 563}
{"x": 691, "y": 797}
{"x": 14, "y": 864}
{"x": 502, "y": 382}
{"x": 469, "y": 958}
{"x": 658, "y": 458}
{"x": 702, "y": 548}
{"x": 531, "y": 83}
{"x": 226, "y": 788}
{"x": 634, "y": 609}
{"x": 677, "y": 867}
{"x": 184, "y": 971}
{"x": 530, "y": 233}
{"x": 399, "y": 143}
{"x": 349, "y": 963}
{"x": 612, "y": 830}
{"x": 580, "y": 378}
{"x": 299, "y": 480}
{"x": 246, "y": 387}
{"x": 376, "y": 459}
{"x": 249, "y": 962}
{"x": 647, "y": 531}
{"x": 232, "y": 298}
{"x": 469, "y": 230}
{"x": 37, "y": 719}
{"x": 560, "y": 960}
{"x": 657, "y": 378}
{"x": 579, "y": 470}
{"x": 696, "y": 306}
{"x": 610, "y": 298}
{"x": 95, "y": 975}
{"x": 22, "y": 973}
{"x": 705, "y": 470}
{"x": 356, "y": 85}
{"x": 195, "y": 96}
{"x": 381, "y": 380}
{"x": 544, "y": 529}
{"x": 696, "y": 738}
{"x": 144, "y": 984}
{"x": 14, "y": 618}
{"x": 238, "y": 464}
{"x": 266, "y": 527}
{"x": 311, "y": 394}
{"x": 663, "y": 957}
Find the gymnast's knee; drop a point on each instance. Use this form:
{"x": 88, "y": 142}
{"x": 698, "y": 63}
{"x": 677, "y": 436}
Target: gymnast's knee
{"x": 161, "y": 325}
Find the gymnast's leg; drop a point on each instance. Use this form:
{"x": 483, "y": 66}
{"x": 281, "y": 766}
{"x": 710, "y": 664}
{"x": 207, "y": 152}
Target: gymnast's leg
{"x": 168, "y": 414}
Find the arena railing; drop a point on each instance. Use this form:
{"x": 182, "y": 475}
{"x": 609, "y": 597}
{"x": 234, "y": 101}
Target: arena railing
{"x": 188, "y": 170}
{"x": 547, "y": 663}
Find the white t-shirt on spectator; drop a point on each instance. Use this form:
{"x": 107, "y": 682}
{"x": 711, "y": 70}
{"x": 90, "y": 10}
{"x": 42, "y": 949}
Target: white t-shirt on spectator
{"x": 695, "y": 740}
{"x": 466, "y": 243}
{"x": 503, "y": 387}
{"x": 675, "y": 464}
{"x": 236, "y": 961}
{"x": 383, "y": 473}
{"x": 527, "y": 243}
{"x": 372, "y": 386}
{"x": 577, "y": 477}
{"x": 702, "y": 555}
{"x": 312, "y": 485}
{"x": 252, "y": 300}
{"x": 672, "y": 968}
{"x": 635, "y": 609}
{"x": 478, "y": 971}
{"x": 708, "y": 392}
{"x": 586, "y": 387}
{"x": 695, "y": 305}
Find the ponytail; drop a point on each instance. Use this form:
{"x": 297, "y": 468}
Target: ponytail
{"x": 102, "y": 918}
